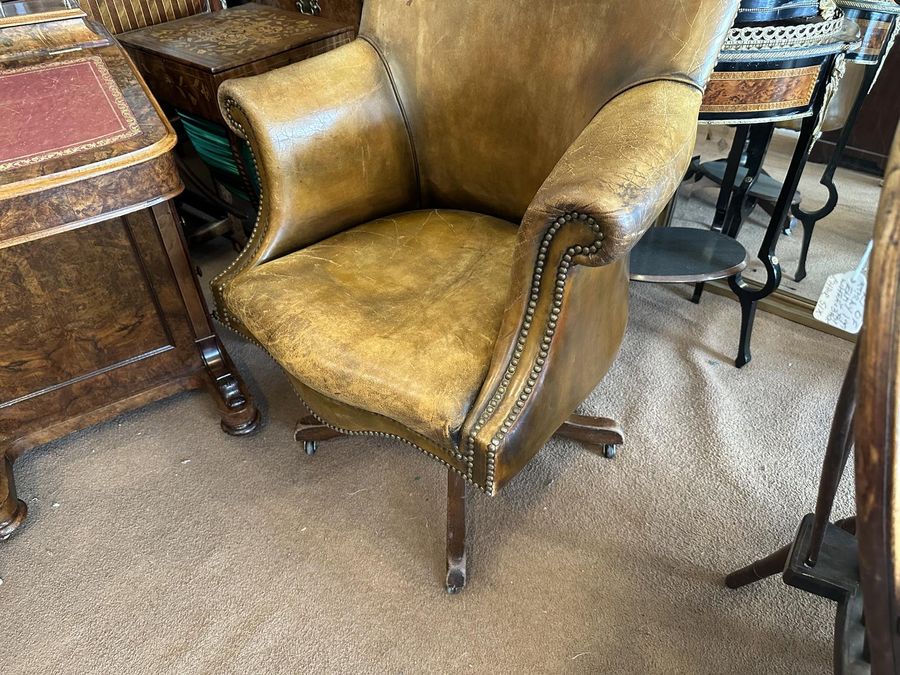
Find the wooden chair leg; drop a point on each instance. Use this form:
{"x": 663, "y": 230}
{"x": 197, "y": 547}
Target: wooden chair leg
{"x": 456, "y": 532}
{"x": 310, "y": 431}
{"x": 761, "y": 569}
{"x": 776, "y": 562}
{"x": 598, "y": 434}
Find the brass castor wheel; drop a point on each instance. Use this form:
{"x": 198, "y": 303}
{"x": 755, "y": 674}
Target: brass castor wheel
{"x": 310, "y": 447}
{"x": 610, "y": 451}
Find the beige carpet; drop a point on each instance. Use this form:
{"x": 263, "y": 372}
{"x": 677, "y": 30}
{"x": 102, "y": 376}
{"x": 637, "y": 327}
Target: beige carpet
{"x": 156, "y": 544}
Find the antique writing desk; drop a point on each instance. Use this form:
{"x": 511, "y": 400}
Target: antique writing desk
{"x": 99, "y": 309}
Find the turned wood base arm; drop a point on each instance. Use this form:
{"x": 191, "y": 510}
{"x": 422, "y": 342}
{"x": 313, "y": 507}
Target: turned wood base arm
{"x": 598, "y": 434}
{"x": 310, "y": 431}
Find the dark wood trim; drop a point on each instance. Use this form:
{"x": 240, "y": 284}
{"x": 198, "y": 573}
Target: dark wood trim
{"x": 877, "y": 433}
{"x": 456, "y": 532}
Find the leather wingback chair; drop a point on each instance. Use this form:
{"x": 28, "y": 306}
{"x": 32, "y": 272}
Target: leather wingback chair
{"x": 448, "y": 203}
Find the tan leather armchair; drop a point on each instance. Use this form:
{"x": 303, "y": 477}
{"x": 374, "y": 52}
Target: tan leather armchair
{"x": 447, "y": 208}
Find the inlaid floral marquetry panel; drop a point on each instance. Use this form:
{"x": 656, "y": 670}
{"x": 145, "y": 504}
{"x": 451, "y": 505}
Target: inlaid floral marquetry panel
{"x": 232, "y": 33}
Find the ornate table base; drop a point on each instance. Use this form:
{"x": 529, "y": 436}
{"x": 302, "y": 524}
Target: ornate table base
{"x": 108, "y": 318}
{"x": 768, "y": 74}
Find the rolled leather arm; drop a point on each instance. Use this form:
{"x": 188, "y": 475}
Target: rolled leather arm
{"x": 568, "y": 302}
{"x": 623, "y": 169}
{"x": 330, "y": 145}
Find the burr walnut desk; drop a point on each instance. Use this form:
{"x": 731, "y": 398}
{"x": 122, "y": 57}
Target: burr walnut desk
{"x": 99, "y": 308}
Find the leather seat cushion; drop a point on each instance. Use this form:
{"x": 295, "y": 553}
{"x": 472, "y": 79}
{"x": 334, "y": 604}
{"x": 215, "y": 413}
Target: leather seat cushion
{"x": 398, "y": 316}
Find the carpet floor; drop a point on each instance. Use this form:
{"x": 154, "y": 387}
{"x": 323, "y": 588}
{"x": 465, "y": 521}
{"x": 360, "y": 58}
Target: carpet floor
{"x": 157, "y": 544}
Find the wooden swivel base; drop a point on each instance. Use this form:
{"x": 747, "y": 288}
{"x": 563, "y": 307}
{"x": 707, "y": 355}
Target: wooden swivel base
{"x": 598, "y": 434}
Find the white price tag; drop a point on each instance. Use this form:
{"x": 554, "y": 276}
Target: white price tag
{"x": 843, "y": 300}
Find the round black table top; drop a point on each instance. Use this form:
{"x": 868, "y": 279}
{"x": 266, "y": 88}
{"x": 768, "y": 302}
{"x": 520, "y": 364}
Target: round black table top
{"x": 672, "y": 255}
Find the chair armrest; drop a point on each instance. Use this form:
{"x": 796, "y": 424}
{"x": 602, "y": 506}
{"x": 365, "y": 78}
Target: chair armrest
{"x": 330, "y": 145}
{"x": 568, "y": 303}
{"x": 623, "y": 169}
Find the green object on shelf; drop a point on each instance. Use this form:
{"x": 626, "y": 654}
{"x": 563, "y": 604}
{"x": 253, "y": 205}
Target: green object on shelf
{"x": 210, "y": 140}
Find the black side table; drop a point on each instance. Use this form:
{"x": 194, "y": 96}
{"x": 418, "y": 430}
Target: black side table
{"x": 767, "y": 74}
{"x": 877, "y": 20}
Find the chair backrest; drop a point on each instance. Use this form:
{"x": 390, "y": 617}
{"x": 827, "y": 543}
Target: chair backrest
{"x": 120, "y": 16}
{"x": 496, "y": 90}
{"x": 877, "y": 434}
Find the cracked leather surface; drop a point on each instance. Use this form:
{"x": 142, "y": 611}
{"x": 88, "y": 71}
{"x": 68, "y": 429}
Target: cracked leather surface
{"x": 330, "y": 143}
{"x": 496, "y": 90}
{"x": 523, "y": 111}
{"x": 398, "y": 316}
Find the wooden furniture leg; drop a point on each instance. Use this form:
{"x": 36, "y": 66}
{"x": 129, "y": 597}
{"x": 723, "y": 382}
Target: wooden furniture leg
{"x": 759, "y": 570}
{"x": 12, "y": 509}
{"x": 840, "y": 444}
{"x": 310, "y": 431}
{"x": 456, "y": 532}
{"x": 239, "y": 416}
{"x": 598, "y": 434}
{"x": 774, "y": 563}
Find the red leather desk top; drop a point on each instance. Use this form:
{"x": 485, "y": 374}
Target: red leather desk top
{"x": 56, "y": 109}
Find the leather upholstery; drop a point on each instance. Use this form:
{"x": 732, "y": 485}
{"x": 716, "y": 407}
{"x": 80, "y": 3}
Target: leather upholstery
{"x": 458, "y": 66}
{"x": 335, "y": 157}
{"x": 398, "y": 316}
{"x": 574, "y": 123}
{"x": 620, "y": 173}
